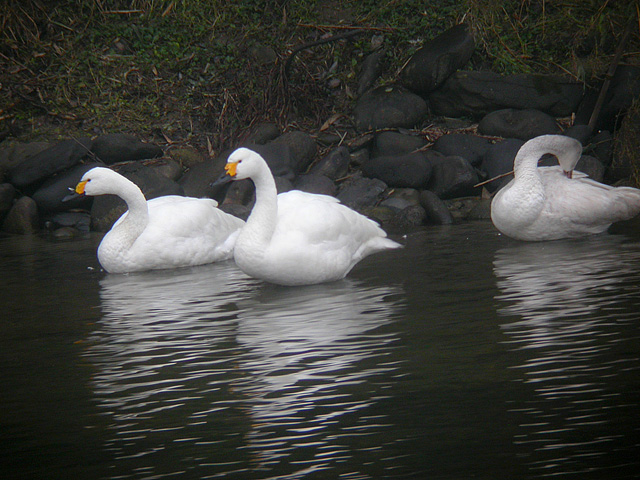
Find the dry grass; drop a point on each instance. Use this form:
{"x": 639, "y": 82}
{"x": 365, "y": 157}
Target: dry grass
{"x": 185, "y": 71}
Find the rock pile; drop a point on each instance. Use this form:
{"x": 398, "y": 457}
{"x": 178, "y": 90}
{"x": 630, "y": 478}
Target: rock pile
{"x": 392, "y": 170}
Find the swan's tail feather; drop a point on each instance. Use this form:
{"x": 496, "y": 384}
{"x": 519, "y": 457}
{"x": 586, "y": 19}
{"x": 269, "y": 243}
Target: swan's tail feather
{"x": 628, "y": 202}
{"x": 387, "y": 243}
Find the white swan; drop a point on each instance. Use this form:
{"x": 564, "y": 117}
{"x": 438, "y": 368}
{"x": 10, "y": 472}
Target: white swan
{"x": 165, "y": 232}
{"x": 549, "y": 203}
{"x": 298, "y": 238}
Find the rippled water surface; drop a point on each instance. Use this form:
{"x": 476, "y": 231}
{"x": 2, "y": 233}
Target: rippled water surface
{"x": 463, "y": 355}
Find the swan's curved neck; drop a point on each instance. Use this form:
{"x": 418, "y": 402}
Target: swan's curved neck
{"x": 564, "y": 148}
{"x": 263, "y": 218}
{"x": 138, "y": 212}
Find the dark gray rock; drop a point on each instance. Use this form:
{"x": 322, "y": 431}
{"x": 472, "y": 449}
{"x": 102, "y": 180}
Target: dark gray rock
{"x": 105, "y": 210}
{"x": 239, "y": 192}
{"x": 7, "y": 194}
{"x": 151, "y": 182}
{"x": 481, "y": 210}
{"x": 313, "y": 183}
{"x": 432, "y": 64}
{"x": 52, "y": 160}
{"x": 360, "y": 193}
{"x": 592, "y": 167}
{"x": 79, "y": 220}
{"x": 397, "y": 219}
{"x": 388, "y": 217}
{"x": 401, "y": 198}
{"x": 396, "y": 143}
{"x": 120, "y": 147}
{"x": 436, "y": 211}
{"x": 453, "y": 177}
{"x": 370, "y": 71}
{"x": 389, "y": 107}
{"x": 623, "y": 91}
{"x": 462, "y": 208}
{"x": 196, "y": 182}
{"x": 49, "y": 196}
{"x": 411, "y": 170}
{"x": 23, "y": 217}
{"x": 476, "y": 93}
{"x": 582, "y": 133}
{"x": 187, "y": 157}
{"x": 283, "y": 184}
{"x": 360, "y": 156}
{"x": 328, "y": 139}
{"x": 237, "y": 210}
{"x": 498, "y": 160}
{"x": 261, "y": 133}
{"x": 334, "y": 165}
{"x": 65, "y": 233}
{"x": 167, "y": 167}
{"x": 15, "y": 153}
{"x": 521, "y": 124}
{"x": 278, "y": 156}
{"x": 412, "y": 216}
{"x": 601, "y": 147}
{"x": 470, "y": 147}
{"x": 302, "y": 147}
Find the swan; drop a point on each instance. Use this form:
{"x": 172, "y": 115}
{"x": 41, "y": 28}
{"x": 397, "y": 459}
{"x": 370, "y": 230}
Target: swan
{"x": 298, "y": 238}
{"x": 549, "y": 203}
{"x": 165, "y": 232}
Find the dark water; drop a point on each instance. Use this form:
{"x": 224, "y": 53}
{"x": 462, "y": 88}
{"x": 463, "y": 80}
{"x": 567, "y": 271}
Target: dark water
{"x": 464, "y": 355}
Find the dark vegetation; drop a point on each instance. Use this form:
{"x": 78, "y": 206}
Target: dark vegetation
{"x": 201, "y": 72}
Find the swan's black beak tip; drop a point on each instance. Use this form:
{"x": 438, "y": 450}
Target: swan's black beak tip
{"x": 221, "y": 180}
{"x": 72, "y": 195}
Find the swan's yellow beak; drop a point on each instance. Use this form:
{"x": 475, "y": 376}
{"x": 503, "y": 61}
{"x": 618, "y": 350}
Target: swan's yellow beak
{"x": 80, "y": 187}
{"x": 230, "y": 168}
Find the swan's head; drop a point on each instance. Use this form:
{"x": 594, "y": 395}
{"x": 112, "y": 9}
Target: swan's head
{"x": 571, "y": 151}
{"x": 243, "y": 163}
{"x": 97, "y": 181}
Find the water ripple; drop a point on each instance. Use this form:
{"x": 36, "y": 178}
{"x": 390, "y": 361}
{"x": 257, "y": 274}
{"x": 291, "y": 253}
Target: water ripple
{"x": 563, "y": 301}
{"x": 207, "y": 370}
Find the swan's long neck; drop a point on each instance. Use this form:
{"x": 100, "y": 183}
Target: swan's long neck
{"x": 262, "y": 221}
{"x": 525, "y": 167}
{"x": 138, "y": 213}
{"x": 566, "y": 149}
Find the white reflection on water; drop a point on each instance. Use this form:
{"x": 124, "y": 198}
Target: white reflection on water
{"x": 315, "y": 358}
{"x": 576, "y": 333}
{"x": 208, "y": 371}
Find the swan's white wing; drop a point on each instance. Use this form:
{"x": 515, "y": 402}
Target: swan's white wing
{"x": 322, "y": 220}
{"x": 185, "y": 231}
{"x": 585, "y": 202}
{"x": 318, "y": 239}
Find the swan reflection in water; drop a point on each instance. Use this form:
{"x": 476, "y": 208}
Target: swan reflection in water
{"x": 316, "y": 358}
{"x": 575, "y": 350}
{"x": 207, "y": 370}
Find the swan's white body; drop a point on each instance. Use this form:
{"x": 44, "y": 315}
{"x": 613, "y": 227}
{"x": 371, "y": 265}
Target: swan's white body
{"x": 165, "y": 232}
{"x": 299, "y": 238}
{"x": 548, "y": 203}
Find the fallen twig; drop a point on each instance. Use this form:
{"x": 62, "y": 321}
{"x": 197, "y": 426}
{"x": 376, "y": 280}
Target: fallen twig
{"x": 492, "y": 179}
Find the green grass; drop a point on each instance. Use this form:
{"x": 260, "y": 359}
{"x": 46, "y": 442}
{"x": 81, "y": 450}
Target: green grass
{"x": 183, "y": 69}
